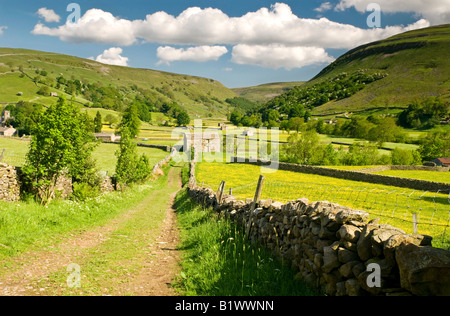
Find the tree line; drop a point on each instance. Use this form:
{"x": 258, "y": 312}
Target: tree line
{"x": 306, "y": 148}
{"x": 425, "y": 114}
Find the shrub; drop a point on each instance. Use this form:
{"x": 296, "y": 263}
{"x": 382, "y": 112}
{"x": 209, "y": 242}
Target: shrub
{"x": 130, "y": 167}
{"x": 44, "y": 90}
{"x": 405, "y": 157}
{"x": 83, "y": 191}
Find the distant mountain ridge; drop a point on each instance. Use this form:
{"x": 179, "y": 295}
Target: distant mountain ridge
{"x": 415, "y": 65}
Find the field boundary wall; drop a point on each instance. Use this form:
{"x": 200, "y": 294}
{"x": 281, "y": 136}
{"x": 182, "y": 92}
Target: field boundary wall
{"x": 356, "y": 175}
{"x": 335, "y": 248}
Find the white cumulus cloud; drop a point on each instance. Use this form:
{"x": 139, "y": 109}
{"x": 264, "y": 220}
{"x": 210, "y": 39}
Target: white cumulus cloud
{"x": 435, "y": 11}
{"x": 48, "y": 15}
{"x": 196, "y": 26}
{"x": 95, "y": 26}
{"x": 168, "y": 54}
{"x": 326, "y": 6}
{"x": 113, "y": 56}
{"x": 2, "y": 28}
{"x": 208, "y": 30}
{"x": 279, "y": 56}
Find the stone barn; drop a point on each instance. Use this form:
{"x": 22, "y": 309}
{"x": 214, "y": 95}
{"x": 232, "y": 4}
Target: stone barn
{"x": 202, "y": 142}
{"x": 108, "y": 137}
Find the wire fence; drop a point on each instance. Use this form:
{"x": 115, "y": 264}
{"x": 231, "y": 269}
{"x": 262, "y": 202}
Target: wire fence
{"x": 413, "y": 211}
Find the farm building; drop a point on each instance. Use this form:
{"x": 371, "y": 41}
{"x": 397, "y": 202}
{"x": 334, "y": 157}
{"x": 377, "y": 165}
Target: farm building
{"x": 7, "y": 131}
{"x": 442, "y": 162}
{"x": 202, "y": 142}
{"x": 222, "y": 126}
{"x": 107, "y": 137}
{"x": 6, "y": 115}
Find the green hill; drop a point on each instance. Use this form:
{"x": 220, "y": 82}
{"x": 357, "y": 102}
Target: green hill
{"x": 384, "y": 76}
{"x": 416, "y": 65}
{"x": 24, "y": 72}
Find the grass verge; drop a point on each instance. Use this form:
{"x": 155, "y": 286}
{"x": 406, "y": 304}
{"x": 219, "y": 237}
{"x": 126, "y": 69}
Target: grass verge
{"x": 23, "y": 224}
{"x": 111, "y": 247}
{"x": 219, "y": 261}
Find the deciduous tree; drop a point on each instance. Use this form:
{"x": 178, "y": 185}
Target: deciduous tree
{"x": 98, "y": 125}
{"x": 61, "y": 144}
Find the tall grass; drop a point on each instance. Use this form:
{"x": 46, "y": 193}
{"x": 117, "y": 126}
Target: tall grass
{"x": 219, "y": 261}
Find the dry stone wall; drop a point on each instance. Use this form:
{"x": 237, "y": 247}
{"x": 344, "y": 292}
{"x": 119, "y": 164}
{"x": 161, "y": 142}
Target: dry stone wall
{"x": 9, "y": 183}
{"x": 64, "y": 186}
{"x": 162, "y": 147}
{"x": 163, "y": 162}
{"x": 107, "y": 185}
{"x": 411, "y": 168}
{"x": 337, "y": 249}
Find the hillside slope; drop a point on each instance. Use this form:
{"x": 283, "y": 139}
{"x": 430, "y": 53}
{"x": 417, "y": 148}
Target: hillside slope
{"x": 417, "y": 65}
{"x": 386, "y": 76}
{"x": 265, "y": 92}
{"x": 19, "y": 67}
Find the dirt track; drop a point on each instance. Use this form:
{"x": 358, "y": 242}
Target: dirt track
{"x": 154, "y": 266}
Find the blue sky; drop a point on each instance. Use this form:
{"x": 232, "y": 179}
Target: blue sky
{"x": 239, "y": 43}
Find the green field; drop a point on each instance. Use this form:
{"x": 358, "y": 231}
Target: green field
{"x": 393, "y": 205}
{"x": 106, "y": 160}
{"x": 16, "y": 150}
{"x": 92, "y": 112}
{"x": 347, "y": 140}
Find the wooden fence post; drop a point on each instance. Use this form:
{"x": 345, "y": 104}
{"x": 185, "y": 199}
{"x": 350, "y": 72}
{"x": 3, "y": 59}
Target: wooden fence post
{"x": 220, "y": 192}
{"x": 415, "y": 223}
{"x": 253, "y": 205}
